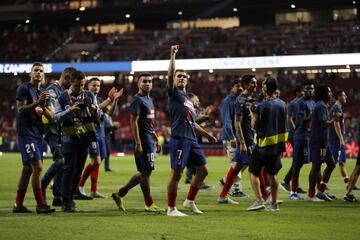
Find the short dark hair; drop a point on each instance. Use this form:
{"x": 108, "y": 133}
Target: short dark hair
{"x": 36, "y": 64}
{"x": 68, "y": 71}
{"x": 235, "y": 82}
{"x": 246, "y": 79}
{"x": 271, "y": 84}
{"x": 308, "y": 82}
{"x": 144, "y": 74}
{"x": 180, "y": 70}
{"x": 338, "y": 93}
{"x": 77, "y": 75}
{"x": 94, "y": 79}
{"x": 320, "y": 92}
{"x": 296, "y": 90}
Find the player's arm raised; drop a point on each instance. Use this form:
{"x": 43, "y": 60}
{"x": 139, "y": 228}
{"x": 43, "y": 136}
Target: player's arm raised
{"x": 171, "y": 70}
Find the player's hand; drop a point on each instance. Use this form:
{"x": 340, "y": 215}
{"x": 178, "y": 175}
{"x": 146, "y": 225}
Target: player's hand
{"x": 138, "y": 148}
{"x": 111, "y": 93}
{"x": 75, "y": 108}
{"x": 118, "y": 94}
{"x": 212, "y": 139}
{"x": 233, "y": 143}
{"x": 158, "y": 147}
{"x": 43, "y": 97}
{"x": 208, "y": 110}
{"x": 342, "y": 143}
{"x": 174, "y": 49}
{"x": 243, "y": 148}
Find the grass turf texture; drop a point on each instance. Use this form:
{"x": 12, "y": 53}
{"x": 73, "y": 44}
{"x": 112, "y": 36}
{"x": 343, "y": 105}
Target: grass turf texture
{"x": 100, "y": 218}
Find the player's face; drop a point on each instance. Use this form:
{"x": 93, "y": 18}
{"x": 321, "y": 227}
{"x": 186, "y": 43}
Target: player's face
{"x": 309, "y": 91}
{"x": 181, "y": 79}
{"x": 37, "y": 74}
{"x": 236, "y": 89}
{"x": 78, "y": 85}
{"x": 328, "y": 95}
{"x": 94, "y": 87}
{"x": 145, "y": 83}
{"x": 251, "y": 87}
{"x": 343, "y": 98}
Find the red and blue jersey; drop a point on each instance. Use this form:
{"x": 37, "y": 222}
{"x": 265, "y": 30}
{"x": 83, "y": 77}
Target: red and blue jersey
{"x": 319, "y": 132}
{"x": 182, "y": 114}
{"x": 143, "y": 107}
{"x": 333, "y": 137}
{"x": 304, "y": 109}
{"x": 29, "y": 123}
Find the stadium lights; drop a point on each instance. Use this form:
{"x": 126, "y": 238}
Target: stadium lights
{"x": 293, "y": 6}
{"x": 235, "y": 9}
{"x": 77, "y": 19}
{"x": 82, "y": 9}
{"x": 180, "y": 13}
{"x": 354, "y": 2}
{"x": 127, "y": 15}
{"x": 211, "y": 71}
{"x": 27, "y": 21}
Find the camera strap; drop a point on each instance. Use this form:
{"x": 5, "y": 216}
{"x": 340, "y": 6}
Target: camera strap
{"x": 70, "y": 99}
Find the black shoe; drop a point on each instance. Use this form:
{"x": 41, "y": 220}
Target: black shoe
{"x": 238, "y": 194}
{"x": 333, "y": 197}
{"x": 221, "y": 181}
{"x": 356, "y": 187}
{"x": 285, "y": 186}
{"x": 70, "y": 207}
{"x": 20, "y": 209}
{"x": 108, "y": 170}
{"x": 82, "y": 197}
{"x": 45, "y": 209}
{"x": 350, "y": 198}
{"x": 300, "y": 190}
{"x": 205, "y": 186}
{"x": 57, "y": 202}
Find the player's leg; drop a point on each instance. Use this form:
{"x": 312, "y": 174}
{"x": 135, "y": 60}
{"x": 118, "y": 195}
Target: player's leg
{"x": 95, "y": 174}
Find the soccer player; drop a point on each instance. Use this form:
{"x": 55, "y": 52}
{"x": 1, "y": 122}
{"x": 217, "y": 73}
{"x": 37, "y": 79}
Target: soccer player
{"x": 304, "y": 109}
{"x": 53, "y": 138}
{"x": 184, "y": 149}
{"x": 337, "y": 133}
{"x": 271, "y": 136}
{"x": 298, "y": 93}
{"x": 244, "y": 135}
{"x": 228, "y": 132}
{"x": 31, "y": 105}
{"x": 77, "y": 110}
{"x": 92, "y": 169}
{"x": 142, "y": 121}
{"x": 319, "y": 148}
{"x": 202, "y": 115}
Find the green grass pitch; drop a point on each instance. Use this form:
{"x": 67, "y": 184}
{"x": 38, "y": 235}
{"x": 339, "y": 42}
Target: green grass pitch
{"x": 100, "y": 218}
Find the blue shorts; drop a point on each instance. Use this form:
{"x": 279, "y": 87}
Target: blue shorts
{"x": 145, "y": 160}
{"x": 98, "y": 148}
{"x": 338, "y": 153}
{"x": 319, "y": 155}
{"x": 243, "y": 159}
{"x": 301, "y": 151}
{"x": 185, "y": 152}
{"x": 31, "y": 149}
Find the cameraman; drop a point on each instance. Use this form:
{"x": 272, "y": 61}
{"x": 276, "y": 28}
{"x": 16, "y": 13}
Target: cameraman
{"x": 77, "y": 110}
